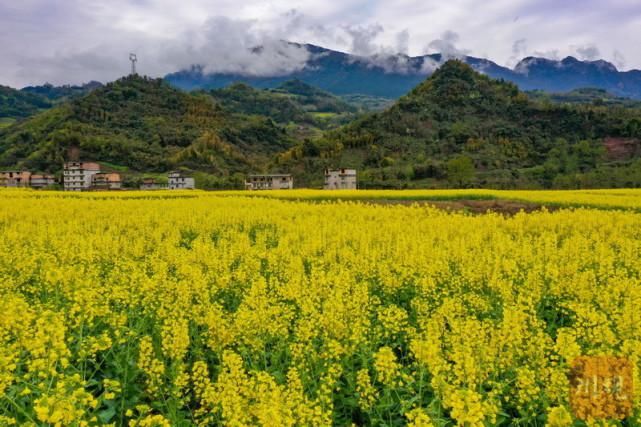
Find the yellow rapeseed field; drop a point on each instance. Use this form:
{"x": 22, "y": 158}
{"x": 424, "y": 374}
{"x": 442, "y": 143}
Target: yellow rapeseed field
{"x": 193, "y": 308}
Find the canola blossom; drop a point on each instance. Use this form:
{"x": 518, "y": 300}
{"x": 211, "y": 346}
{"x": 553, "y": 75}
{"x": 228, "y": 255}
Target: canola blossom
{"x": 238, "y": 309}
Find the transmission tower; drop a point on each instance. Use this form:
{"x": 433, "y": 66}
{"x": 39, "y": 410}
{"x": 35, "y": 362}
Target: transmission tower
{"x": 133, "y": 58}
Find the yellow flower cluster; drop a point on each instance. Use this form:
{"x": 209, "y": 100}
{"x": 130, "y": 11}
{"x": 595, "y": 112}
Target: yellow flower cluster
{"x": 311, "y": 309}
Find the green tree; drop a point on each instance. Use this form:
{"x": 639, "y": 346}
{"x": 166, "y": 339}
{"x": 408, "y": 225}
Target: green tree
{"x": 460, "y": 171}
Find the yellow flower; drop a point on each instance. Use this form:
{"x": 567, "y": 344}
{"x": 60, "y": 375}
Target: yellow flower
{"x": 559, "y": 417}
{"x": 387, "y": 368}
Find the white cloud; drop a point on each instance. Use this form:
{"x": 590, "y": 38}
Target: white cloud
{"x": 71, "y": 41}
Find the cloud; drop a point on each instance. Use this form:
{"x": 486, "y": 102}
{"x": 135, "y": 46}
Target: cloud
{"x": 619, "y": 59}
{"x": 72, "y": 41}
{"x": 224, "y": 45}
{"x": 588, "y": 53}
{"x": 362, "y": 38}
{"x": 403, "y": 42}
{"x": 446, "y": 46}
{"x": 519, "y": 52}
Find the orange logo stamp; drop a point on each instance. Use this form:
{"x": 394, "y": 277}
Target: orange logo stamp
{"x": 601, "y": 387}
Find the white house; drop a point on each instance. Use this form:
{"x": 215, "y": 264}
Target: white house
{"x": 269, "y": 182}
{"x": 177, "y": 181}
{"x": 340, "y": 179}
{"x": 78, "y": 176}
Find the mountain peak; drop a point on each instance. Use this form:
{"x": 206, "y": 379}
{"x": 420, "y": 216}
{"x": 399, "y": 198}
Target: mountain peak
{"x": 392, "y": 76}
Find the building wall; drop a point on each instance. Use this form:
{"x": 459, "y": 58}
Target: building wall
{"x": 41, "y": 181}
{"x": 15, "y": 178}
{"x": 177, "y": 182}
{"x": 340, "y": 179}
{"x": 268, "y": 182}
{"x": 78, "y": 176}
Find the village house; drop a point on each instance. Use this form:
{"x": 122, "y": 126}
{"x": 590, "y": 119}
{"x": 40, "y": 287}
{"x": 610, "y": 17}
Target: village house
{"x": 78, "y": 176}
{"x": 178, "y": 181}
{"x": 152, "y": 184}
{"x": 269, "y": 182}
{"x": 106, "y": 181}
{"x": 15, "y": 178}
{"x": 42, "y": 180}
{"x": 340, "y": 179}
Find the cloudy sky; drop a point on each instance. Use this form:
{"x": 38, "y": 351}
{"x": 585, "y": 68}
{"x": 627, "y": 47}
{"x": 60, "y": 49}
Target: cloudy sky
{"x": 74, "y": 41}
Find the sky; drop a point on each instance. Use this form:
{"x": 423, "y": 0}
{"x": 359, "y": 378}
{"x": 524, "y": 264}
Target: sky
{"x": 76, "y": 41}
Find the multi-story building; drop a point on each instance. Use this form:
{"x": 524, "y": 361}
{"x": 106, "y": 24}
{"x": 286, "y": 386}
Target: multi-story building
{"x": 340, "y": 179}
{"x": 78, "y": 176}
{"x": 106, "y": 181}
{"x": 178, "y": 181}
{"x": 15, "y": 178}
{"x": 152, "y": 184}
{"x": 269, "y": 182}
{"x": 42, "y": 181}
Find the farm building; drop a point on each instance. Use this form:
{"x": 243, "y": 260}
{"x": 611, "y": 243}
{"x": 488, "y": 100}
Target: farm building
{"x": 78, "y": 176}
{"x": 15, "y": 178}
{"x": 106, "y": 181}
{"x": 42, "y": 181}
{"x": 178, "y": 181}
{"x": 152, "y": 184}
{"x": 340, "y": 179}
{"x": 269, "y": 182}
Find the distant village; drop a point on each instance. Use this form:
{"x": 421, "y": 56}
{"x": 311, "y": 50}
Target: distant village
{"x": 89, "y": 176}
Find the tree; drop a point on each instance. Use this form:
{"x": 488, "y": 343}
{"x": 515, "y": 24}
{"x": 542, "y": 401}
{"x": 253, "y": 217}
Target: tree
{"x": 460, "y": 171}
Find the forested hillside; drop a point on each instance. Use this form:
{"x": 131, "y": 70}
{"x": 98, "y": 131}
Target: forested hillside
{"x": 458, "y": 128}
{"x": 145, "y": 125}
{"x": 461, "y": 128}
{"x": 15, "y": 104}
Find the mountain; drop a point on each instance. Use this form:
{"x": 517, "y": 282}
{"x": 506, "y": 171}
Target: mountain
{"x": 305, "y": 111}
{"x": 61, "y": 93}
{"x": 144, "y": 125}
{"x": 462, "y": 128}
{"x": 16, "y": 104}
{"x": 597, "y": 97}
{"x": 457, "y": 128}
{"x": 391, "y": 76}
{"x": 570, "y": 73}
{"x": 292, "y": 101}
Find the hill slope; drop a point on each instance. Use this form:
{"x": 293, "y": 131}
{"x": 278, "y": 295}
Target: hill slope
{"x": 462, "y": 128}
{"x": 393, "y": 76}
{"x": 18, "y": 104}
{"x": 15, "y": 104}
{"x": 304, "y": 110}
{"x": 144, "y": 125}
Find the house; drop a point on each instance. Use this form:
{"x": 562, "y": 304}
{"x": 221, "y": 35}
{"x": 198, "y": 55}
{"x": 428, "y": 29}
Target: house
{"x": 269, "y": 182}
{"x": 42, "y": 181}
{"x": 178, "y": 181}
{"x": 151, "y": 184}
{"x": 15, "y": 178}
{"x": 340, "y": 179}
{"x": 106, "y": 181}
{"x": 78, "y": 176}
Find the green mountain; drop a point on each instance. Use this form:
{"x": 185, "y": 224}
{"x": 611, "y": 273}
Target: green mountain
{"x": 144, "y": 125}
{"x": 597, "y": 97}
{"x": 461, "y": 128}
{"x": 304, "y": 109}
{"x": 19, "y": 104}
{"x": 16, "y": 104}
{"x": 61, "y": 93}
{"x": 457, "y": 128}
